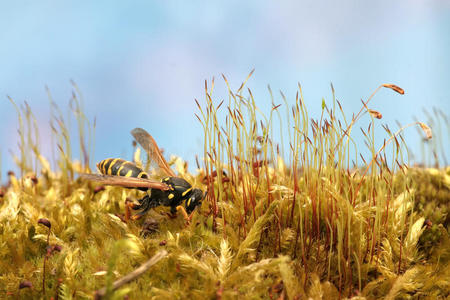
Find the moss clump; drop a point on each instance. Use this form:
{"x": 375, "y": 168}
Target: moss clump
{"x": 313, "y": 221}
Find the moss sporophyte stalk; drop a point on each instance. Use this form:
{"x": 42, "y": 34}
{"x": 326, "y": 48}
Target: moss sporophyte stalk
{"x": 296, "y": 208}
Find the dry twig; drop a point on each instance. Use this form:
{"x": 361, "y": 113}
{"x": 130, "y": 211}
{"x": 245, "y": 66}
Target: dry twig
{"x": 133, "y": 275}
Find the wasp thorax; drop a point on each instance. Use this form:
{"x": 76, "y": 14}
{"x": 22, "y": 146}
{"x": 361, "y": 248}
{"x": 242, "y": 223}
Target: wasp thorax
{"x": 194, "y": 200}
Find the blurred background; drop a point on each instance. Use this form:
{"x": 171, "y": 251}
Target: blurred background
{"x": 142, "y": 63}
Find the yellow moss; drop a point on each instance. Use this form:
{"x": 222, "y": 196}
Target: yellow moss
{"x": 299, "y": 223}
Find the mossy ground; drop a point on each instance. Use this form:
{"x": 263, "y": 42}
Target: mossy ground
{"x": 310, "y": 222}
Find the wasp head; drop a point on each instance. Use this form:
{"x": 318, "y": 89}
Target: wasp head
{"x": 194, "y": 200}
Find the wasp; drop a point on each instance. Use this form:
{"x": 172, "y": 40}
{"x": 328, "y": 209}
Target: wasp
{"x": 171, "y": 191}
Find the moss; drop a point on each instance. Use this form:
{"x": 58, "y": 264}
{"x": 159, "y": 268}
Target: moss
{"x": 296, "y": 224}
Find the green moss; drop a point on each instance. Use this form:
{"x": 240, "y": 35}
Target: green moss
{"x": 294, "y": 224}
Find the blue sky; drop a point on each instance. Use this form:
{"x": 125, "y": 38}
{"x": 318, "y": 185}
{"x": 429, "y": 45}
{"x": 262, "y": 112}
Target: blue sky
{"x": 142, "y": 63}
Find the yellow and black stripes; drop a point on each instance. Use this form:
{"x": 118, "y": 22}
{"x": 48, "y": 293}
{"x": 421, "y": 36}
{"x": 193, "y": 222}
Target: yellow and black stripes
{"x": 186, "y": 192}
{"x": 173, "y": 192}
{"x": 120, "y": 167}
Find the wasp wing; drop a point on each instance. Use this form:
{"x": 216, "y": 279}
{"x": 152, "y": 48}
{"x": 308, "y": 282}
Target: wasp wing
{"x": 130, "y": 182}
{"x": 154, "y": 154}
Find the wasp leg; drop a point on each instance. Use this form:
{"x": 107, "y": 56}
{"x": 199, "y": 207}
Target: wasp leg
{"x": 173, "y": 212}
{"x": 145, "y": 205}
{"x": 187, "y": 217}
{"x": 175, "y": 209}
{"x": 128, "y": 206}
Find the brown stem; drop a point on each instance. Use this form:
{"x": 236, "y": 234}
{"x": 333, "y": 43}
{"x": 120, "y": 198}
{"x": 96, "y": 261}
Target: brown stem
{"x": 45, "y": 260}
{"x": 133, "y": 275}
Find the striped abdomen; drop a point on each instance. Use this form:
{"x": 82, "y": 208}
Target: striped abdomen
{"x": 120, "y": 167}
